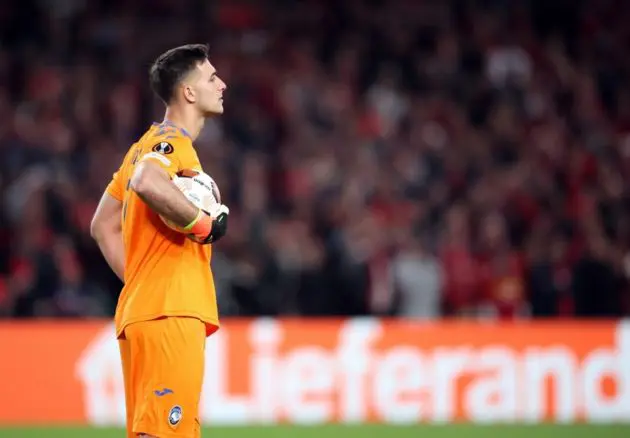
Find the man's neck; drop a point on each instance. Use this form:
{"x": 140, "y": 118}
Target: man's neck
{"x": 191, "y": 123}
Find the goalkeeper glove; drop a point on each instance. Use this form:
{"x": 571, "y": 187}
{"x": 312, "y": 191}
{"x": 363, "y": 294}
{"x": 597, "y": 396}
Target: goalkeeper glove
{"x": 210, "y": 226}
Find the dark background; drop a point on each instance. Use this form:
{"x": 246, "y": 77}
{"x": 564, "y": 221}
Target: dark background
{"x": 412, "y": 158}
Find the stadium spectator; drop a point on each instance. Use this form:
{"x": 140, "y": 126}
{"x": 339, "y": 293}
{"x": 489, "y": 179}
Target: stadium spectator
{"x": 379, "y": 157}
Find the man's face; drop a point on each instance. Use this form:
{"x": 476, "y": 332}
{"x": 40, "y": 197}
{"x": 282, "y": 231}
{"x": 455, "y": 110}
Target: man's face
{"x": 207, "y": 88}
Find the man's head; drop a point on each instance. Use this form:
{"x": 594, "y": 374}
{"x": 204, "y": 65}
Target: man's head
{"x": 184, "y": 75}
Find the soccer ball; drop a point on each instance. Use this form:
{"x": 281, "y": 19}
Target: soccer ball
{"x": 199, "y": 188}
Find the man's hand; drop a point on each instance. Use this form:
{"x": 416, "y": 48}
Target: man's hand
{"x": 219, "y": 216}
{"x": 210, "y": 226}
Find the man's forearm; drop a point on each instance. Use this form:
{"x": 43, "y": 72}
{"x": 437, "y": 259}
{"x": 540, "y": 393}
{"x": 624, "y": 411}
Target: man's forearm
{"x": 155, "y": 189}
{"x": 171, "y": 204}
{"x": 106, "y": 230}
{"x": 113, "y": 250}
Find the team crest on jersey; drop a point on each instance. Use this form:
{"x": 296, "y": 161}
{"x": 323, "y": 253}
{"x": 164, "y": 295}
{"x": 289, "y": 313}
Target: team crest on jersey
{"x": 163, "y": 147}
{"x": 175, "y": 415}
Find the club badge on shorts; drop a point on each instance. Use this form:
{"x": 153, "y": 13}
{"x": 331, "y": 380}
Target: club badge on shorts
{"x": 175, "y": 415}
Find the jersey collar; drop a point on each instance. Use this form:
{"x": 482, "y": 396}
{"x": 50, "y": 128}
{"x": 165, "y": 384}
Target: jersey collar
{"x": 173, "y": 125}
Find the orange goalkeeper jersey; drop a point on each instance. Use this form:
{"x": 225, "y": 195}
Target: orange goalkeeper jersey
{"x": 166, "y": 274}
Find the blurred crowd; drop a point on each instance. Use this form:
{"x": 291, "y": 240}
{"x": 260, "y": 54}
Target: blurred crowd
{"x": 415, "y": 158}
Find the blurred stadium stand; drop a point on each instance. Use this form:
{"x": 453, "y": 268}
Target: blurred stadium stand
{"x": 413, "y": 158}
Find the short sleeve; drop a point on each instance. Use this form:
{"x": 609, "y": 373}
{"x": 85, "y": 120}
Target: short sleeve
{"x": 115, "y": 187}
{"x": 173, "y": 154}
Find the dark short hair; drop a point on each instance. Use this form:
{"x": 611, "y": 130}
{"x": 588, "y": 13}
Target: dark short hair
{"x": 171, "y": 66}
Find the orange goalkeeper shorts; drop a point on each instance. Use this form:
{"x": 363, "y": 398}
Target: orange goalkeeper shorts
{"x": 163, "y": 364}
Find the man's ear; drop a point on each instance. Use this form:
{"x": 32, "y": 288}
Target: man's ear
{"x": 189, "y": 93}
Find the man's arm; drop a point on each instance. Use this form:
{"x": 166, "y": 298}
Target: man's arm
{"x": 106, "y": 229}
{"x": 154, "y": 186}
{"x": 152, "y": 183}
